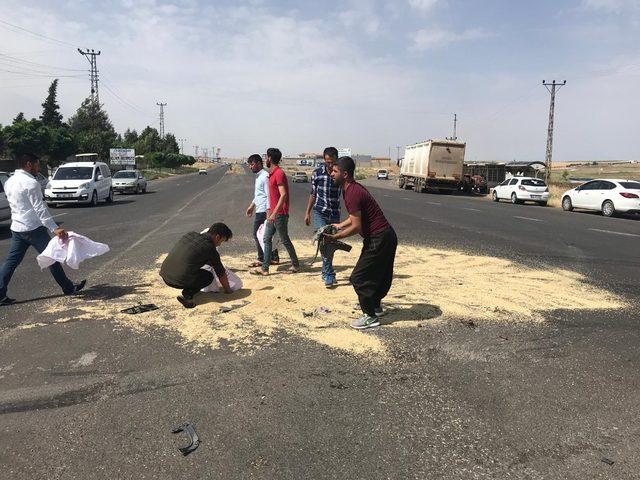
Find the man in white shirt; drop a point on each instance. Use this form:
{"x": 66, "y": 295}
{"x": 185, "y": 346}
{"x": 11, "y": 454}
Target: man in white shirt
{"x": 260, "y": 205}
{"x": 30, "y": 220}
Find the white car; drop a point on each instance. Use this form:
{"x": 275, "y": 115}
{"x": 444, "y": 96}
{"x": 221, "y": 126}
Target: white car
{"x": 604, "y": 195}
{"x": 80, "y": 182}
{"x": 5, "y": 211}
{"x": 301, "y": 177}
{"x": 522, "y": 189}
{"x": 202, "y": 171}
{"x": 383, "y": 175}
{"x": 129, "y": 181}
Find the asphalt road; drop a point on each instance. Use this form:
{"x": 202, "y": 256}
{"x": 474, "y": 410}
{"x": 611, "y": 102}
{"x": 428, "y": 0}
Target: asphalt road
{"x": 546, "y": 400}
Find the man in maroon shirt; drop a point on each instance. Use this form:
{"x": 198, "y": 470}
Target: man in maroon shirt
{"x": 277, "y": 215}
{"x": 371, "y": 278}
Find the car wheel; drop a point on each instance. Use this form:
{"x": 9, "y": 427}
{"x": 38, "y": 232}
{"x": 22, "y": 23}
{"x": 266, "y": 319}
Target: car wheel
{"x": 495, "y": 196}
{"x": 94, "y": 199}
{"x": 144, "y": 189}
{"x": 542, "y": 204}
{"x": 138, "y": 189}
{"x": 567, "y": 206}
{"x": 608, "y": 209}
{"x": 110, "y": 197}
{"x": 514, "y": 198}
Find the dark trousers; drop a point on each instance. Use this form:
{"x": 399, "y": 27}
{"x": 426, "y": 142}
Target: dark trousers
{"x": 189, "y": 288}
{"x": 281, "y": 225}
{"x": 372, "y": 276}
{"x": 259, "y": 219}
{"x": 20, "y": 243}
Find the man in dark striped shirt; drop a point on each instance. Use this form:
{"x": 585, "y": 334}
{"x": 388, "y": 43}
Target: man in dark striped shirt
{"x": 323, "y": 208}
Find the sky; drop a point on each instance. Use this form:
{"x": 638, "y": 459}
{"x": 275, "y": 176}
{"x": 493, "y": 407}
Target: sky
{"x": 370, "y": 75}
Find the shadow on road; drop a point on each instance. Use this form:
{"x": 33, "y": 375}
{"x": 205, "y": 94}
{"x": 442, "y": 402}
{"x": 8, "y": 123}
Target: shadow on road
{"x": 203, "y": 298}
{"x": 110, "y": 292}
{"x": 411, "y": 312}
{"x": 38, "y": 299}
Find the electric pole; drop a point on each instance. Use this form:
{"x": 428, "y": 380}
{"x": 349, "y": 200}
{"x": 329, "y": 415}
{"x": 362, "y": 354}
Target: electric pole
{"x": 554, "y": 88}
{"x": 398, "y": 153}
{"x": 196, "y": 148}
{"x": 161, "y": 105}
{"x": 91, "y": 55}
{"x": 182, "y": 140}
{"x": 455, "y": 127}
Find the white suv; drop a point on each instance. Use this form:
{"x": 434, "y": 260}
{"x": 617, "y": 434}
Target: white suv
{"x": 521, "y": 189}
{"x": 80, "y": 182}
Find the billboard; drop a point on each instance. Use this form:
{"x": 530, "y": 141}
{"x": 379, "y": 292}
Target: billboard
{"x": 122, "y": 156}
{"x": 344, "y": 152}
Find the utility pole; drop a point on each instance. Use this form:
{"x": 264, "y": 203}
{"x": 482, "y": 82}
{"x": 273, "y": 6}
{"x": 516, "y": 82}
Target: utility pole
{"x": 398, "y": 153}
{"x": 91, "y": 55}
{"x": 182, "y": 140}
{"x": 204, "y": 153}
{"x": 554, "y": 88}
{"x": 161, "y": 105}
{"x": 455, "y": 127}
{"x": 196, "y": 147}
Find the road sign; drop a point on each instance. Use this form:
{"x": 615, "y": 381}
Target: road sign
{"x": 122, "y": 156}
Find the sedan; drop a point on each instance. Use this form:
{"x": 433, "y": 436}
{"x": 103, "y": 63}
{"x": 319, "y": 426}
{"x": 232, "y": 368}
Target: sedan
{"x": 300, "y": 177}
{"x": 522, "y": 189}
{"x": 604, "y": 195}
{"x": 129, "y": 181}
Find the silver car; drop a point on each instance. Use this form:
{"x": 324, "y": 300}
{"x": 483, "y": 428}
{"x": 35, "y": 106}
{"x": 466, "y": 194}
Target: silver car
{"x": 129, "y": 181}
{"x": 5, "y": 211}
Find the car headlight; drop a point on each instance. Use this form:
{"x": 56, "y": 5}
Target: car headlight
{"x": 84, "y": 185}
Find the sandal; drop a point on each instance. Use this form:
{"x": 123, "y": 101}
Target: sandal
{"x": 259, "y": 272}
{"x": 255, "y": 264}
{"x": 291, "y": 270}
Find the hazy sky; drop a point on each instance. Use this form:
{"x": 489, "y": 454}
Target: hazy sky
{"x": 364, "y": 74}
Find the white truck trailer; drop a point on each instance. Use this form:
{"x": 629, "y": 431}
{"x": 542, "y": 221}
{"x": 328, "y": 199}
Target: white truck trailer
{"x": 435, "y": 165}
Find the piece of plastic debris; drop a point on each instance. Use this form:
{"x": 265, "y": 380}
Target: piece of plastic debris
{"x": 235, "y": 306}
{"x": 607, "y": 461}
{"x": 193, "y": 437}
{"x": 323, "y": 310}
{"x": 307, "y": 314}
{"x": 140, "y": 309}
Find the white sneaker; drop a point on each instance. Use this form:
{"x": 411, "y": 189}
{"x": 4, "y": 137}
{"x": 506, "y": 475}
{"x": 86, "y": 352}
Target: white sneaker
{"x": 364, "y": 322}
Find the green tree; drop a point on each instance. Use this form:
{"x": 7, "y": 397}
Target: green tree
{"x": 2, "y": 140}
{"x": 19, "y": 118}
{"x": 51, "y": 116}
{"x": 92, "y": 129}
{"x": 148, "y": 141}
{"x": 565, "y": 175}
{"x": 28, "y": 136}
{"x": 130, "y": 138}
{"x": 169, "y": 144}
{"x": 62, "y": 145}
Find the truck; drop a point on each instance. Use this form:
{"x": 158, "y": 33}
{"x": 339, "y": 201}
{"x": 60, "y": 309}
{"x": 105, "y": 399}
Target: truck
{"x": 434, "y": 165}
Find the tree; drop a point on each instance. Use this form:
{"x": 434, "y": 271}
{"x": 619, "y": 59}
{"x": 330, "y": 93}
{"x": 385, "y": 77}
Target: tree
{"x": 62, "y": 145}
{"x": 148, "y": 141}
{"x": 28, "y": 136}
{"x": 565, "y": 175}
{"x": 169, "y": 144}
{"x": 19, "y": 118}
{"x": 51, "y": 116}
{"x": 130, "y": 138}
{"x": 92, "y": 129}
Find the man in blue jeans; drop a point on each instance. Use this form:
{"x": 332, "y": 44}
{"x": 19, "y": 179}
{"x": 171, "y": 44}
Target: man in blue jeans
{"x": 260, "y": 206}
{"x": 31, "y": 223}
{"x": 324, "y": 205}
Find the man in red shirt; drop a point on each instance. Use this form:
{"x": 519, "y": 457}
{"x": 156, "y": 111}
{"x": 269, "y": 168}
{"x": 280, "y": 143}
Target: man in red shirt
{"x": 372, "y": 276}
{"x": 277, "y": 215}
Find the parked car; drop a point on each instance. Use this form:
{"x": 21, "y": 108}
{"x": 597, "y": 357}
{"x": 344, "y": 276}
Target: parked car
{"x": 605, "y": 195}
{"x": 522, "y": 189}
{"x": 80, "y": 182}
{"x": 42, "y": 180}
{"x": 383, "y": 175}
{"x": 202, "y": 171}
{"x": 129, "y": 181}
{"x": 4, "y": 176}
{"x": 5, "y": 211}
{"x": 301, "y": 177}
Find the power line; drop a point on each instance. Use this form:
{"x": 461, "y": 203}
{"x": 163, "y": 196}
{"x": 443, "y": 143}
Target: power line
{"x": 35, "y": 75}
{"x": 9, "y": 58}
{"x": 91, "y": 55}
{"x": 35, "y": 34}
{"x": 552, "y": 106}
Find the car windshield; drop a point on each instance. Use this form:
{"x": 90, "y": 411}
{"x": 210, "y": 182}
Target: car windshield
{"x": 125, "y": 175}
{"x": 533, "y": 182}
{"x": 631, "y": 185}
{"x": 74, "y": 173}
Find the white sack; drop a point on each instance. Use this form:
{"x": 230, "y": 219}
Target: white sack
{"x": 72, "y": 252}
{"x": 234, "y": 281}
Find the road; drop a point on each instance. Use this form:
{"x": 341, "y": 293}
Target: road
{"x": 91, "y": 398}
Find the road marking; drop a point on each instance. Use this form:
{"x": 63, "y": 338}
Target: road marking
{"x": 147, "y": 235}
{"x": 433, "y": 203}
{"x": 59, "y": 215}
{"x": 388, "y": 196}
{"x": 528, "y": 218}
{"x": 614, "y": 233}
{"x": 471, "y": 209}
{"x": 404, "y": 198}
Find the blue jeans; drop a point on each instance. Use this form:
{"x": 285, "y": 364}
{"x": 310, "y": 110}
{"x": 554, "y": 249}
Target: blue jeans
{"x": 20, "y": 243}
{"x": 281, "y": 225}
{"x": 259, "y": 219}
{"x": 320, "y": 220}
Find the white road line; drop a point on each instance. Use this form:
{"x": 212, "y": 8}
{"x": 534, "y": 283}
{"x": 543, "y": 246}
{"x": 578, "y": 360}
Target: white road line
{"x": 471, "y": 209}
{"x": 433, "y": 203}
{"x": 147, "y": 235}
{"x": 528, "y": 218}
{"x": 615, "y": 233}
{"x": 404, "y": 198}
{"x": 59, "y": 215}
{"x": 388, "y": 196}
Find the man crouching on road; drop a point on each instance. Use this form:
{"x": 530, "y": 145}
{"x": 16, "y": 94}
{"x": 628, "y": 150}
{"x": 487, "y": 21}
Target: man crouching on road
{"x": 372, "y": 276}
{"x": 183, "y": 266}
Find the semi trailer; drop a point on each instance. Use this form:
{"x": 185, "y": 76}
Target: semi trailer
{"x": 434, "y": 165}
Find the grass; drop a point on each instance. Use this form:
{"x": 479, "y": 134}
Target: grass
{"x": 600, "y": 170}
{"x": 154, "y": 174}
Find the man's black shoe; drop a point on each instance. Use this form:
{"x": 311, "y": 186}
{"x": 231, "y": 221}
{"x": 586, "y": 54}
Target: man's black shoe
{"x": 7, "y": 301}
{"x": 77, "y": 287}
{"x": 186, "y": 302}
